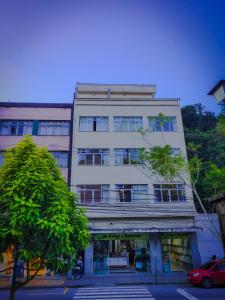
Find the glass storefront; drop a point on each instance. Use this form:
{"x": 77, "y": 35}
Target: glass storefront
{"x": 121, "y": 253}
{"x": 176, "y": 252}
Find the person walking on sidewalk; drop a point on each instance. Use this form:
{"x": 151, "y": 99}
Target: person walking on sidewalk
{"x": 79, "y": 268}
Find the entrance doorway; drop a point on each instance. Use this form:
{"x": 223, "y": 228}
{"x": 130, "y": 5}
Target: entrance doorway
{"x": 121, "y": 255}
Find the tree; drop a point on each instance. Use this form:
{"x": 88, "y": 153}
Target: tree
{"x": 209, "y": 148}
{"x": 39, "y": 217}
{"x": 221, "y": 124}
{"x": 195, "y": 117}
{"x": 160, "y": 161}
{"x": 215, "y": 179}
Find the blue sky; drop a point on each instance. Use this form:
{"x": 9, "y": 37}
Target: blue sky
{"x": 49, "y": 45}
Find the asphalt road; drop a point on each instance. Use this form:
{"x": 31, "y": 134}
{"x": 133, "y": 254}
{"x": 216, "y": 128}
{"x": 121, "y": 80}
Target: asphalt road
{"x": 142, "y": 292}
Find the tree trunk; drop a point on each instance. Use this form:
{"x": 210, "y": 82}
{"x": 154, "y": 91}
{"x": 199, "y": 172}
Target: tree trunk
{"x": 13, "y": 276}
{"x": 12, "y": 293}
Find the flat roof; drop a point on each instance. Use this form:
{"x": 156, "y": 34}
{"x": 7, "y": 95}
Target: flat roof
{"x": 116, "y": 88}
{"x": 36, "y": 104}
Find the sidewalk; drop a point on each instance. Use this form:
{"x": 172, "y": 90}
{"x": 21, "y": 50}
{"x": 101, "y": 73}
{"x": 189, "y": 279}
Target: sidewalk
{"x": 102, "y": 280}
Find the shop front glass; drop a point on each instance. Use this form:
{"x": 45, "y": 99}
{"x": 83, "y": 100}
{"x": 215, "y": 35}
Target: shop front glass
{"x": 121, "y": 253}
{"x": 176, "y": 252}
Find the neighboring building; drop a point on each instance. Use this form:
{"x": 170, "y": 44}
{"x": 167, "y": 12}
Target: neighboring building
{"x": 219, "y": 93}
{"x": 48, "y": 123}
{"x": 218, "y": 202}
{"x": 138, "y": 223}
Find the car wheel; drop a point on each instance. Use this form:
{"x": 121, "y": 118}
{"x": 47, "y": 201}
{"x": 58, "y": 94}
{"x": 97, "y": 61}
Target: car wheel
{"x": 207, "y": 283}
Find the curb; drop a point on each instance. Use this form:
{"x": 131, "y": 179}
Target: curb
{"x": 90, "y": 285}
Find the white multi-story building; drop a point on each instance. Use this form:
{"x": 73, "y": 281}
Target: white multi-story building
{"x": 133, "y": 215}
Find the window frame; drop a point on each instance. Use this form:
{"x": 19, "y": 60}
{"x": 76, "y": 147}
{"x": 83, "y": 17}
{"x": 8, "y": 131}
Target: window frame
{"x": 84, "y": 188}
{"x": 130, "y": 188}
{"x": 116, "y": 124}
{"x": 17, "y": 126}
{"x": 156, "y": 128}
{"x": 58, "y": 159}
{"x": 166, "y": 192}
{"x": 52, "y": 126}
{"x": 94, "y": 156}
{"x": 94, "y": 123}
{"x": 120, "y": 153}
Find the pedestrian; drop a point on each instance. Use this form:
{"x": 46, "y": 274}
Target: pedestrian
{"x": 213, "y": 257}
{"x": 79, "y": 268}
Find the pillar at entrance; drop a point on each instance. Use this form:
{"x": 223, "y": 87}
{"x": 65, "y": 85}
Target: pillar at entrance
{"x": 88, "y": 259}
{"x": 155, "y": 253}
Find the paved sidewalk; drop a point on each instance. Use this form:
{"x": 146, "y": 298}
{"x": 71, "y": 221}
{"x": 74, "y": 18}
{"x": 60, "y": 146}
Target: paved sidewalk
{"x": 103, "y": 280}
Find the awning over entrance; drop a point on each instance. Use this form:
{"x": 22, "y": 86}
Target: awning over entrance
{"x": 146, "y": 230}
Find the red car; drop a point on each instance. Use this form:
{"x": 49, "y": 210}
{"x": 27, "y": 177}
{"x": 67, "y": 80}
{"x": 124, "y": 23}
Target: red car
{"x": 211, "y": 273}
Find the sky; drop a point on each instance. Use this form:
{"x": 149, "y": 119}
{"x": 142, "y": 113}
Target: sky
{"x": 47, "y": 46}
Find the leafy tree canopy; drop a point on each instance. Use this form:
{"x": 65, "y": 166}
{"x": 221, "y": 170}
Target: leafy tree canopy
{"x": 39, "y": 216}
{"x": 160, "y": 160}
{"x": 204, "y": 135}
{"x": 195, "y": 117}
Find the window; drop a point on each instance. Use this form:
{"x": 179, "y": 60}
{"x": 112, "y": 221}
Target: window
{"x": 93, "y": 193}
{"x": 131, "y": 192}
{"x": 1, "y": 158}
{"x": 53, "y": 128}
{"x": 93, "y": 124}
{"x": 61, "y": 158}
{"x": 162, "y": 124}
{"x": 15, "y": 127}
{"x": 176, "y": 252}
{"x": 176, "y": 151}
{"x": 127, "y": 156}
{"x": 169, "y": 192}
{"x": 127, "y": 123}
{"x": 96, "y": 157}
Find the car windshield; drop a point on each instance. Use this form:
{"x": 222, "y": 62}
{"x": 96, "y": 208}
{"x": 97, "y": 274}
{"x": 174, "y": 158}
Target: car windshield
{"x": 208, "y": 265}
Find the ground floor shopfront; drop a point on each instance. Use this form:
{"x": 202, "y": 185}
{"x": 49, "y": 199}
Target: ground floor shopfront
{"x": 169, "y": 249}
{"x": 139, "y": 252}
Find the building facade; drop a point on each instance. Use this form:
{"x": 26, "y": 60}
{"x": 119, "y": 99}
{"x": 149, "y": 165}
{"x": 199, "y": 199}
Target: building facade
{"x": 49, "y": 125}
{"x": 218, "y": 91}
{"x": 138, "y": 222}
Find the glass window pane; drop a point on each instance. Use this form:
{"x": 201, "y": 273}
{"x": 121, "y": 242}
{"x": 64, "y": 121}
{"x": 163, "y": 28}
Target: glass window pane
{"x": 53, "y": 128}
{"x": 101, "y": 123}
{"x": 166, "y": 125}
{"x": 89, "y": 159}
{"x": 173, "y": 195}
{"x": 127, "y": 123}
{"x": 1, "y": 157}
{"x": 61, "y": 158}
{"x": 5, "y": 127}
{"x": 158, "y": 124}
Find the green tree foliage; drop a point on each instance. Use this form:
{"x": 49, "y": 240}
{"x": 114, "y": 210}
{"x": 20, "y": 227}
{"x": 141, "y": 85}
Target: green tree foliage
{"x": 215, "y": 179}
{"x": 160, "y": 160}
{"x": 39, "y": 216}
{"x": 195, "y": 117}
{"x": 221, "y": 125}
{"x": 205, "y": 140}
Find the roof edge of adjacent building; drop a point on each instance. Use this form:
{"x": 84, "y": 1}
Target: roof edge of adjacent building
{"x": 36, "y": 104}
{"x": 219, "y": 83}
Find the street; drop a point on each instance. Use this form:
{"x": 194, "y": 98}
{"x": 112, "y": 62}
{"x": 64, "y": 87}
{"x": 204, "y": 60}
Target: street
{"x": 142, "y": 292}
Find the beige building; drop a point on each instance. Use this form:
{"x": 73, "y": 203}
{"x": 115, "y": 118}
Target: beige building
{"x": 49, "y": 124}
{"x": 131, "y": 213}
